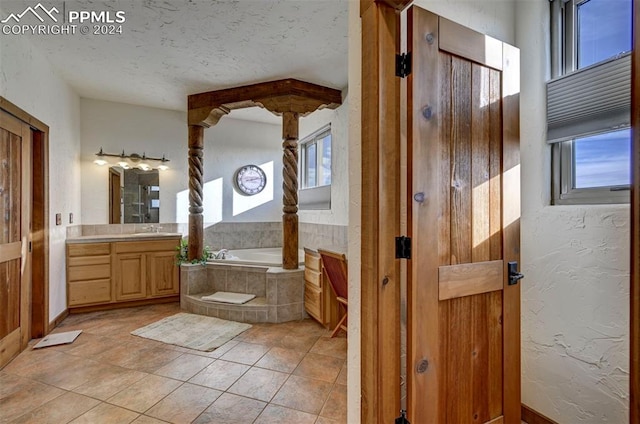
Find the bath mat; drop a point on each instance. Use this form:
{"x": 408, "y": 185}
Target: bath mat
{"x": 229, "y": 297}
{"x": 192, "y": 331}
{"x": 58, "y": 339}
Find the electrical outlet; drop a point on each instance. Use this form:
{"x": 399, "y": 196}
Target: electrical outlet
{"x": 58, "y": 219}
{"x": 70, "y": 217}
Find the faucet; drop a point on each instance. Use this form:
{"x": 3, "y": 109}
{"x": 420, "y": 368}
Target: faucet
{"x": 222, "y": 254}
{"x": 153, "y": 228}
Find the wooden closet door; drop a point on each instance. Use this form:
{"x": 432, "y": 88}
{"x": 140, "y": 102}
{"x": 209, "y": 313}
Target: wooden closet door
{"x": 464, "y": 206}
{"x": 15, "y": 206}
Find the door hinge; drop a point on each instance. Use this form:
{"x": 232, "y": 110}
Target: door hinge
{"x": 403, "y": 64}
{"x": 402, "y": 419}
{"x": 29, "y": 247}
{"x": 403, "y": 247}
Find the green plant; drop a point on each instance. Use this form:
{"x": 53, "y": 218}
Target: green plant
{"x": 182, "y": 255}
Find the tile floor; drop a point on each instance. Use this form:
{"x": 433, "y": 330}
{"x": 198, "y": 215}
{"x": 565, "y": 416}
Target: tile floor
{"x": 271, "y": 373}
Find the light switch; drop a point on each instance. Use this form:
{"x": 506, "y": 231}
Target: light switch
{"x": 58, "y": 219}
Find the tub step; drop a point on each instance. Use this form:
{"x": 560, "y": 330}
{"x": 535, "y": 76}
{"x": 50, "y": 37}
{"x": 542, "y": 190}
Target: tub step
{"x": 229, "y": 297}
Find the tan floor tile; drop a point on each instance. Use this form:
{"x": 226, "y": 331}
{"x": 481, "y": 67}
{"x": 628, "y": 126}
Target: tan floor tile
{"x": 245, "y": 353}
{"x": 342, "y": 377}
{"x": 184, "y": 404}
{"x": 30, "y": 362}
{"x": 106, "y": 414}
{"x": 320, "y": 367}
{"x": 69, "y": 373}
{"x": 220, "y": 375}
{"x": 231, "y": 409}
{"x": 274, "y": 414}
{"x": 303, "y": 394}
{"x": 88, "y": 345}
{"x": 263, "y": 334}
{"x": 336, "y": 347}
{"x": 111, "y": 381}
{"x": 259, "y": 384}
{"x": 336, "y": 405}
{"x": 59, "y": 410}
{"x": 149, "y": 360}
{"x": 303, "y": 343}
{"x": 30, "y": 395}
{"x": 281, "y": 359}
{"x": 143, "y": 419}
{"x": 184, "y": 367}
{"x": 324, "y": 420}
{"x": 11, "y": 383}
{"x": 145, "y": 393}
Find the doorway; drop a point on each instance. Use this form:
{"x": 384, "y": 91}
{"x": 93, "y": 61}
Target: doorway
{"x": 24, "y": 244}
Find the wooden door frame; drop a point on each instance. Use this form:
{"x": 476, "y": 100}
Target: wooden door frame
{"x": 112, "y": 174}
{"x": 634, "y": 317}
{"x": 380, "y": 275}
{"x": 39, "y": 302}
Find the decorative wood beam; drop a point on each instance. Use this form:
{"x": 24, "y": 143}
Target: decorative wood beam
{"x": 203, "y": 107}
{"x": 290, "y": 98}
{"x": 290, "y": 190}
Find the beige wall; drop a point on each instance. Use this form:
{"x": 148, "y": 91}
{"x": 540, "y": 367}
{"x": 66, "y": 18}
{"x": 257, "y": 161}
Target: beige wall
{"x": 29, "y": 81}
{"x": 575, "y": 297}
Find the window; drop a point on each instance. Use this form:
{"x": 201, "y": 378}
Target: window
{"x": 588, "y": 101}
{"x": 315, "y": 170}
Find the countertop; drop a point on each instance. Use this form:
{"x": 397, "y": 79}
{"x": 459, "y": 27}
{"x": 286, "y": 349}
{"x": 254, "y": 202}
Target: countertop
{"x": 106, "y": 238}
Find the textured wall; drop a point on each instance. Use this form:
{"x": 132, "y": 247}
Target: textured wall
{"x": 228, "y": 145}
{"x": 339, "y": 119}
{"x": 575, "y": 297}
{"x": 29, "y": 81}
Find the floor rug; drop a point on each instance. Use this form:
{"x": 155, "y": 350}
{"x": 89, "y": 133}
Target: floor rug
{"x": 192, "y": 331}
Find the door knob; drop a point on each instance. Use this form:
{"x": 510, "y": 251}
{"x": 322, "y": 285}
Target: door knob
{"x": 514, "y": 275}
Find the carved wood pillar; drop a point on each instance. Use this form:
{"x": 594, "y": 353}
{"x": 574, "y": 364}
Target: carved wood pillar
{"x": 290, "y": 190}
{"x": 196, "y": 229}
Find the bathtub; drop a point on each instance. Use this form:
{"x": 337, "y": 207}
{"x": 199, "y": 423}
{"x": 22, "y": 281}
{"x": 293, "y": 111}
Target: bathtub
{"x": 268, "y": 256}
{"x": 279, "y": 292}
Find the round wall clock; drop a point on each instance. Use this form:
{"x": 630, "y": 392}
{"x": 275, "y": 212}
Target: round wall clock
{"x": 250, "y": 180}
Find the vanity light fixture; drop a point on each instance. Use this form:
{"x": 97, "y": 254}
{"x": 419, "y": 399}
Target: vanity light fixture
{"x": 132, "y": 160}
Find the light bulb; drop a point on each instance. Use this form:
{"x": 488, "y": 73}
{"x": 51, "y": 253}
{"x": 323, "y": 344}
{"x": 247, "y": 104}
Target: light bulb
{"x": 123, "y": 165}
{"x": 163, "y": 167}
{"x": 144, "y": 166}
{"x": 100, "y": 162}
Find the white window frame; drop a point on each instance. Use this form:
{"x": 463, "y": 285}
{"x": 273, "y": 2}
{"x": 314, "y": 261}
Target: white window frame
{"x": 564, "y": 61}
{"x": 317, "y": 196}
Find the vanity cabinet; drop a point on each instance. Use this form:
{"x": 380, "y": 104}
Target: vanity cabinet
{"x": 319, "y": 299}
{"x": 88, "y": 273}
{"x": 104, "y": 274}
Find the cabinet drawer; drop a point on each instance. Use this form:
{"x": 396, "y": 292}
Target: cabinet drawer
{"x": 312, "y": 260}
{"x": 89, "y": 272}
{"x": 87, "y": 292}
{"x": 313, "y": 301}
{"x": 146, "y": 246}
{"x": 313, "y": 277}
{"x": 88, "y": 249}
{"x": 89, "y": 260}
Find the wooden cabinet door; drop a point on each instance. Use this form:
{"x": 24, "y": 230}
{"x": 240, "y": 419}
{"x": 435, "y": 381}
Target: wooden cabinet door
{"x": 463, "y": 356}
{"x": 130, "y": 276}
{"x": 15, "y": 221}
{"x": 162, "y": 273}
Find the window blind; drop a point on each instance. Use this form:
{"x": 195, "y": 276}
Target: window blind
{"x": 590, "y": 100}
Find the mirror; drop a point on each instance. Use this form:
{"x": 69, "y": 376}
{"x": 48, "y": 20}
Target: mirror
{"x": 134, "y": 196}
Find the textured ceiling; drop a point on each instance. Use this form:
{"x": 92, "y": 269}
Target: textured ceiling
{"x": 172, "y": 48}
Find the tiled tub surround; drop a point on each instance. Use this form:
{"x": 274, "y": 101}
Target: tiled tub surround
{"x": 279, "y": 292}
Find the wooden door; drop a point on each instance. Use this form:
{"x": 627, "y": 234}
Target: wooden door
{"x": 162, "y": 273}
{"x": 115, "y": 194}
{"x": 15, "y": 206}
{"x": 463, "y": 182}
{"x": 130, "y": 276}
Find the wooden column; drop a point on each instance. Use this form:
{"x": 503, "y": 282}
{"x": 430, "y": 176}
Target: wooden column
{"x": 290, "y": 190}
{"x": 196, "y": 229}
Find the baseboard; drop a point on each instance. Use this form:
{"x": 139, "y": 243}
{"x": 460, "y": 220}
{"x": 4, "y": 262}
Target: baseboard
{"x": 530, "y": 416}
{"x": 57, "y": 320}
